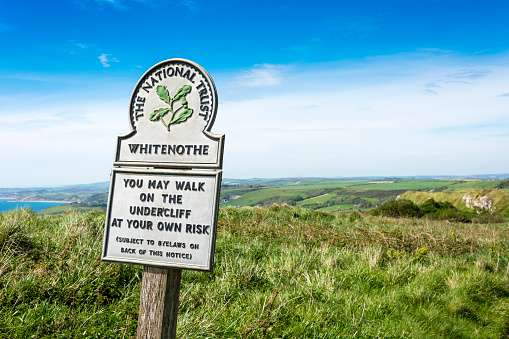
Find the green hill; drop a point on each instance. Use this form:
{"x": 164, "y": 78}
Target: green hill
{"x": 468, "y": 199}
{"x": 480, "y": 185}
{"x": 324, "y": 194}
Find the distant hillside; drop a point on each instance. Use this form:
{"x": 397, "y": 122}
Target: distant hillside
{"x": 481, "y": 185}
{"x": 343, "y": 195}
{"x": 327, "y": 194}
{"x": 73, "y": 193}
{"x": 468, "y": 199}
{"x": 331, "y": 194}
{"x": 98, "y": 201}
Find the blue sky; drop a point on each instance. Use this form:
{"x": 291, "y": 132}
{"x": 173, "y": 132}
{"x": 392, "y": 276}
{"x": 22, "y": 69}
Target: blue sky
{"x": 324, "y": 88}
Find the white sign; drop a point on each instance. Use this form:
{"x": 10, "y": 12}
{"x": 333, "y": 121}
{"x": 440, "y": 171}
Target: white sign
{"x": 172, "y": 110}
{"x": 162, "y": 218}
{"x": 166, "y": 215}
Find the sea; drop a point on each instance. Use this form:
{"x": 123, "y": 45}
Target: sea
{"x": 36, "y": 206}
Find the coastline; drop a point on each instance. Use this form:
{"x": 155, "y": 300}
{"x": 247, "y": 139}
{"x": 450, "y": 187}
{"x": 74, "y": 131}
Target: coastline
{"x": 52, "y": 201}
{"x": 35, "y": 205}
{"x": 17, "y": 200}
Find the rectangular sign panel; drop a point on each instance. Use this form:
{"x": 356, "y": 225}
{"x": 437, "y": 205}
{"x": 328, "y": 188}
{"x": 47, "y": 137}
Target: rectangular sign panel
{"x": 162, "y": 218}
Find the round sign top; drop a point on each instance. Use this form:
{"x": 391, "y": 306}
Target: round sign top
{"x": 175, "y": 93}
{"x": 171, "y": 112}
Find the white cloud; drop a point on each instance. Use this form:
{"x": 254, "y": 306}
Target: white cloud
{"x": 371, "y": 118}
{"x": 458, "y": 76}
{"x": 72, "y": 142}
{"x": 81, "y": 45}
{"x": 432, "y": 85}
{"x": 105, "y": 60}
{"x": 263, "y": 75}
{"x": 469, "y": 74}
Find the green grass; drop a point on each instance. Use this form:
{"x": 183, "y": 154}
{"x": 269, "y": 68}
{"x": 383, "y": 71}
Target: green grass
{"x": 480, "y": 185}
{"x": 236, "y": 191}
{"x": 330, "y": 208}
{"x": 337, "y": 207}
{"x": 280, "y": 272}
{"x": 63, "y": 208}
{"x": 296, "y": 182}
{"x": 330, "y": 184}
{"x": 346, "y": 206}
{"x": 318, "y": 199}
{"x": 286, "y": 189}
{"x": 372, "y": 200}
{"x": 258, "y": 196}
{"x": 53, "y": 284}
{"x": 405, "y": 185}
{"x": 314, "y": 195}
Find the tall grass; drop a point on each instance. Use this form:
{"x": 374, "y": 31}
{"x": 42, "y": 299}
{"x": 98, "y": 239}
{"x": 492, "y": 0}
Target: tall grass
{"x": 53, "y": 283}
{"x": 280, "y": 272}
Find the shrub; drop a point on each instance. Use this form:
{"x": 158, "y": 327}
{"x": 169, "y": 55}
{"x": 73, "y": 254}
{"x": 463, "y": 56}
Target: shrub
{"x": 435, "y": 210}
{"x": 399, "y": 208}
{"x": 431, "y": 206}
{"x": 438, "y": 210}
{"x": 450, "y": 215}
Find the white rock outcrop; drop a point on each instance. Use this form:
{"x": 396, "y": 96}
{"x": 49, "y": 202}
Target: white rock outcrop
{"x": 481, "y": 202}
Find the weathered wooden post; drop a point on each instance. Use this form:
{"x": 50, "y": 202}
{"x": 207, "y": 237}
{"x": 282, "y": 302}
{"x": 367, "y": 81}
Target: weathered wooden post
{"x": 159, "y": 302}
{"x": 162, "y": 213}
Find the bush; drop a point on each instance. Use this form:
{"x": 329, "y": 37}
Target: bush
{"x": 435, "y": 210}
{"x": 450, "y": 215}
{"x": 432, "y": 206}
{"x": 399, "y": 208}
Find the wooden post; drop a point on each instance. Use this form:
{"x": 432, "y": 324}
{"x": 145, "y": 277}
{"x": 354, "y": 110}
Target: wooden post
{"x": 159, "y": 303}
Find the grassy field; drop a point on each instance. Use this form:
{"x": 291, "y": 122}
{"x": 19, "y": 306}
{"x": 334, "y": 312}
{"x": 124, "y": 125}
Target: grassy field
{"x": 335, "y": 208}
{"x": 360, "y": 194}
{"x": 405, "y": 185}
{"x": 305, "y": 192}
{"x": 480, "y": 185}
{"x": 317, "y": 199}
{"x": 64, "y": 208}
{"x": 292, "y": 181}
{"x": 280, "y": 272}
